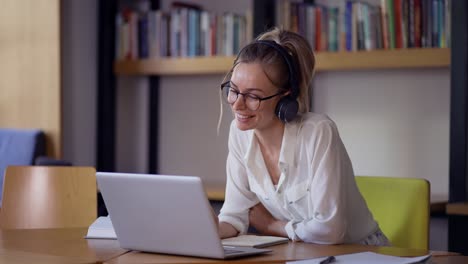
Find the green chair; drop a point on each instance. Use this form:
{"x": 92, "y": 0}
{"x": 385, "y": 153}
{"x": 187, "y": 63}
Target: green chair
{"x": 400, "y": 206}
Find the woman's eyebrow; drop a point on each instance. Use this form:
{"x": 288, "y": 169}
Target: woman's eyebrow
{"x": 232, "y": 83}
{"x": 254, "y": 89}
{"x": 248, "y": 89}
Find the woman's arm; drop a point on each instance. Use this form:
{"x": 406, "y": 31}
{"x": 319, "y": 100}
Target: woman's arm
{"x": 265, "y": 223}
{"x": 238, "y": 198}
{"x": 226, "y": 230}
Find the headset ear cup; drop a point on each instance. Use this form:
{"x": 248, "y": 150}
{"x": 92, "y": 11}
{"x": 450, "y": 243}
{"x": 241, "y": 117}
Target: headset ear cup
{"x": 286, "y": 109}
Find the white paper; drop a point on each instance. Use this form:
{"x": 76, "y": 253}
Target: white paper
{"x": 366, "y": 257}
{"x": 101, "y": 228}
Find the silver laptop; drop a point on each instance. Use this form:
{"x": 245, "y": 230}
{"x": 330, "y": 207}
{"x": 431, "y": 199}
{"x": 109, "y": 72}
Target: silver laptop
{"x": 164, "y": 214}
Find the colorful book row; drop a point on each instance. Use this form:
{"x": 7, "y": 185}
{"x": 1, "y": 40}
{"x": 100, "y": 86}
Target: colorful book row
{"x": 184, "y": 31}
{"x": 366, "y": 25}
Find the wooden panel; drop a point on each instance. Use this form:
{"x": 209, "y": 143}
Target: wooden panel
{"x": 457, "y": 209}
{"x": 326, "y": 61}
{"x": 384, "y": 59}
{"x": 175, "y": 66}
{"x": 30, "y": 68}
{"x": 48, "y": 197}
{"x": 215, "y": 192}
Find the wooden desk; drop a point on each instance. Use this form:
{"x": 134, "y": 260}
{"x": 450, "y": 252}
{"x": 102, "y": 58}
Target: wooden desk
{"x": 54, "y": 246}
{"x": 281, "y": 254}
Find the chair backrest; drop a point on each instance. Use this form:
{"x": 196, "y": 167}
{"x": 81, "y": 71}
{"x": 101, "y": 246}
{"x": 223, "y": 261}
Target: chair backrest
{"x": 401, "y": 206}
{"x": 48, "y": 197}
{"x": 19, "y": 147}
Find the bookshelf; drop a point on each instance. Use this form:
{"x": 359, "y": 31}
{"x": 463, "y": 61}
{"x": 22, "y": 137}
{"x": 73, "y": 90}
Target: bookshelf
{"x": 326, "y": 61}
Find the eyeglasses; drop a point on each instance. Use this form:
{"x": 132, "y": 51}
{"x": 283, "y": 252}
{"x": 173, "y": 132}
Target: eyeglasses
{"x": 251, "y": 101}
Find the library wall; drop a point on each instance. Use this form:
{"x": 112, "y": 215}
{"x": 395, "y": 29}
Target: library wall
{"x": 393, "y": 122}
{"x": 132, "y": 124}
{"x": 188, "y": 142}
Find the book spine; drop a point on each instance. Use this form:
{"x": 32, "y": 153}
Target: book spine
{"x": 423, "y": 23}
{"x": 441, "y": 23}
{"x": 333, "y": 29}
{"x": 448, "y": 18}
{"x": 435, "y": 23}
{"x": 391, "y": 24}
{"x": 310, "y": 26}
{"x": 143, "y": 41}
{"x": 134, "y": 36}
{"x": 324, "y": 29}
{"x": 360, "y": 27}
{"x": 417, "y": 23}
{"x": 119, "y": 54}
{"x": 349, "y": 25}
{"x": 384, "y": 24}
{"x": 378, "y": 28}
{"x": 318, "y": 28}
{"x": 398, "y": 24}
{"x": 411, "y": 23}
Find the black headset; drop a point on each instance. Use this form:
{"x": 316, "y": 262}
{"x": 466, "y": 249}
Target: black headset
{"x": 287, "y": 107}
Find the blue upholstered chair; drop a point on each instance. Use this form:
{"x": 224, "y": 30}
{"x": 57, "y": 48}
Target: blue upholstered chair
{"x": 19, "y": 147}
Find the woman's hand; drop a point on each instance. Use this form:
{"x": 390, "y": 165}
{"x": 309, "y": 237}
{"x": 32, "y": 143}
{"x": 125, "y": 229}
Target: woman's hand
{"x": 265, "y": 223}
{"x": 224, "y": 229}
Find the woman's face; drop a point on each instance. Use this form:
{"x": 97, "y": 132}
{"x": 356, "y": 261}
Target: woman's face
{"x": 250, "y": 78}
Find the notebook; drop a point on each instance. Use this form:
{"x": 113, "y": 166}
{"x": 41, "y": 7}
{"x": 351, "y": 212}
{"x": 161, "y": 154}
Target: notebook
{"x": 164, "y": 214}
{"x": 254, "y": 241}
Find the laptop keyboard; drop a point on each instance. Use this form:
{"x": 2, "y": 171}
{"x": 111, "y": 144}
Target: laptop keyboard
{"x": 231, "y": 251}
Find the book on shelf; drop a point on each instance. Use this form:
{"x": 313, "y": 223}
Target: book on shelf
{"x": 351, "y": 25}
{"x": 254, "y": 241}
{"x": 101, "y": 228}
{"x": 186, "y": 30}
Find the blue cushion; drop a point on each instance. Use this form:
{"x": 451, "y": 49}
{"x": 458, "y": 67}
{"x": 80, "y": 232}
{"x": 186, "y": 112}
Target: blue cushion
{"x": 19, "y": 147}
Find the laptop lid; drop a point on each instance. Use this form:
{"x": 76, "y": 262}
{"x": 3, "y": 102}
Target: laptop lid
{"x": 163, "y": 214}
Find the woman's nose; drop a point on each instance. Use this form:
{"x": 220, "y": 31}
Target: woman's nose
{"x": 239, "y": 103}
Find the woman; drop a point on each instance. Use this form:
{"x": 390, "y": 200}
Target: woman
{"x": 288, "y": 173}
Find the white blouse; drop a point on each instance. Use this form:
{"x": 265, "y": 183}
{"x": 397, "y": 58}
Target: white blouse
{"x": 316, "y": 193}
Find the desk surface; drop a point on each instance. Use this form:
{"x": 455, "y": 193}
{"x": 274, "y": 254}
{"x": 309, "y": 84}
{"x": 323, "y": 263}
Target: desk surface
{"x": 69, "y": 246}
{"x": 280, "y": 254}
{"x": 55, "y": 246}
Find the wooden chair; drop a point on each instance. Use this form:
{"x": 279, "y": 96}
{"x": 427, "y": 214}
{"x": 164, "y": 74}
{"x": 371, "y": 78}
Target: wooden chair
{"x": 48, "y": 197}
{"x": 401, "y": 206}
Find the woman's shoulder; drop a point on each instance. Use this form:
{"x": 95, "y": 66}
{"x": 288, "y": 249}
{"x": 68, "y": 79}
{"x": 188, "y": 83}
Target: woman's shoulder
{"x": 315, "y": 120}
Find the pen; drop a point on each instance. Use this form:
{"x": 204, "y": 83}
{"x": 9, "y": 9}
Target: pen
{"x": 328, "y": 260}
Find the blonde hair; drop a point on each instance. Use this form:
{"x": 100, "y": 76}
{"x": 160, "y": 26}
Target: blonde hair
{"x": 274, "y": 65}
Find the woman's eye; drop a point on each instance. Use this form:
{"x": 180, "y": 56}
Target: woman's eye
{"x": 253, "y": 96}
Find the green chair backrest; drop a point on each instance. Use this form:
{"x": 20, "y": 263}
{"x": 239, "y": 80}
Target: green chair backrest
{"x": 400, "y": 206}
